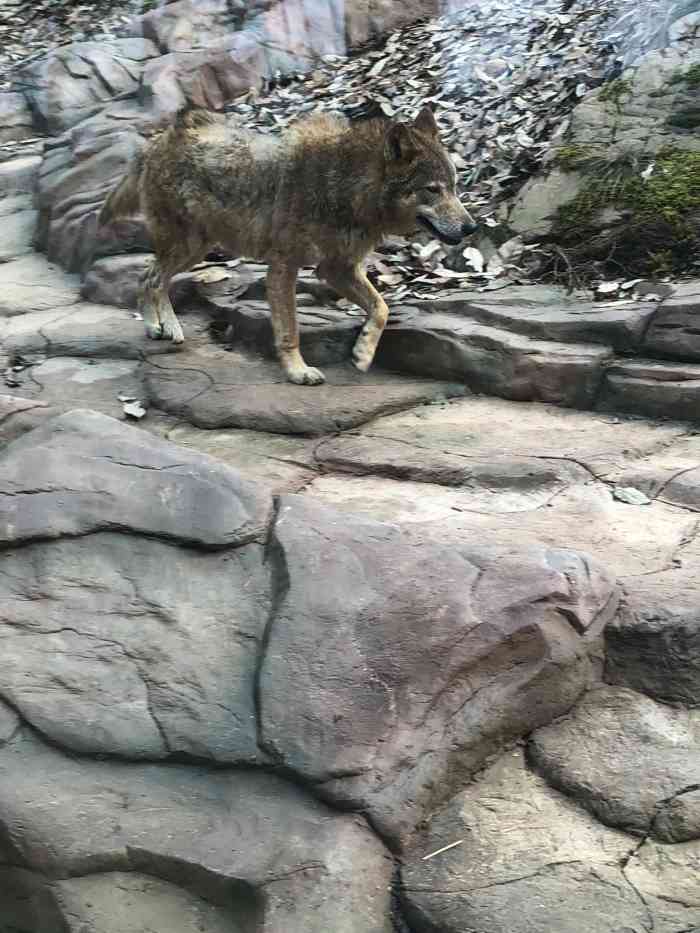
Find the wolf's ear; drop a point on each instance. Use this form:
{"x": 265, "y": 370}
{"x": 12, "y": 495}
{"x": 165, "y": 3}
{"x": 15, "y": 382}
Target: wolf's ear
{"x": 400, "y": 145}
{"x": 425, "y": 122}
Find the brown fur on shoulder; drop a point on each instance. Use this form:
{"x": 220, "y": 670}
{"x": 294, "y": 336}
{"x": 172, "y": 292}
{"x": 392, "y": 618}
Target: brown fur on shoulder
{"x": 323, "y": 193}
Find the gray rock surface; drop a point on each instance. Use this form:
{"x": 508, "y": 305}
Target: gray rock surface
{"x": 656, "y": 648}
{"x": 652, "y": 388}
{"x": 528, "y": 861}
{"x": 143, "y": 649}
{"x": 626, "y": 758}
{"x": 30, "y": 283}
{"x": 15, "y": 117}
{"x": 531, "y": 861}
{"x": 76, "y": 80}
{"x": 251, "y": 845}
{"x": 211, "y": 388}
{"x": 170, "y": 636}
{"x": 674, "y": 331}
{"x": 474, "y": 650}
{"x": 115, "y": 280}
{"x": 78, "y": 473}
{"x": 492, "y": 360}
{"x": 648, "y": 110}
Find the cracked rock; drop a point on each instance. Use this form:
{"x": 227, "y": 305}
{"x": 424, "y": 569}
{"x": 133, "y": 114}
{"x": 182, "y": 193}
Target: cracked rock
{"x": 529, "y": 861}
{"x": 412, "y": 661}
{"x": 256, "y": 850}
{"x": 83, "y": 472}
{"x": 141, "y": 649}
{"x": 625, "y": 758}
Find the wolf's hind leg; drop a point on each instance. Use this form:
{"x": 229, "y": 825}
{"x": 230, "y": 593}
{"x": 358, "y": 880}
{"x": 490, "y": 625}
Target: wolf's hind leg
{"x": 353, "y": 284}
{"x": 281, "y": 285}
{"x": 159, "y": 317}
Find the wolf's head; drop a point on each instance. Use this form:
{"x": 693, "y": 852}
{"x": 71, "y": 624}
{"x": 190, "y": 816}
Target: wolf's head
{"x": 421, "y": 182}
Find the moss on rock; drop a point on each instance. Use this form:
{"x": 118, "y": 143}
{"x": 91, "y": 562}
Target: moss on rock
{"x": 659, "y": 225}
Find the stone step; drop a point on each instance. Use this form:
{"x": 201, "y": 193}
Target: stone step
{"x": 652, "y": 388}
{"x": 492, "y": 360}
{"x": 547, "y": 313}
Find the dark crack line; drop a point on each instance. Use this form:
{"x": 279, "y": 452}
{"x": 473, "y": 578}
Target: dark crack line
{"x": 279, "y": 585}
{"x": 495, "y": 884}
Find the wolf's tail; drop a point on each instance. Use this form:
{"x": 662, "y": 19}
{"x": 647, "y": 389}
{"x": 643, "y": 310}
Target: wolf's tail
{"x": 123, "y": 201}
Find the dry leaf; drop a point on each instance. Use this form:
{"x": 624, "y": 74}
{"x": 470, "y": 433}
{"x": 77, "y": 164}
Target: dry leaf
{"x": 474, "y": 257}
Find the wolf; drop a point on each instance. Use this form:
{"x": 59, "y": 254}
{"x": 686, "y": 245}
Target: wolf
{"x": 324, "y": 193}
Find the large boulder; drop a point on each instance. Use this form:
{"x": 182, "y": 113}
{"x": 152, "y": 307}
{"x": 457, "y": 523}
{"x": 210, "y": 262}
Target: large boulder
{"x": 84, "y": 472}
{"x": 205, "y": 851}
{"x": 411, "y": 661}
{"x": 76, "y": 80}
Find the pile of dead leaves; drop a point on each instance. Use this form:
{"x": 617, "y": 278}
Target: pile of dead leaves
{"x": 31, "y": 28}
{"x": 503, "y": 77}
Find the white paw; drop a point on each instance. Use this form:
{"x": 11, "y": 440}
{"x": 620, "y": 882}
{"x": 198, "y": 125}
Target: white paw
{"x": 154, "y": 331}
{"x": 173, "y": 331}
{"x": 306, "y": 376}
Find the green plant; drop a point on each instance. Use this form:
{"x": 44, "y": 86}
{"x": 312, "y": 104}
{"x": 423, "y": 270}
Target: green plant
{"x": 658, "y": 230}
{"x": 614, "y": 90}
{"x": 691, "y": 77}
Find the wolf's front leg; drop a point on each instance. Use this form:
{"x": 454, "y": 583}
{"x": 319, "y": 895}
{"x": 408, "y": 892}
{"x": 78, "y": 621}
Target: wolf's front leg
{"x": 281, "y": 293}
{"x": 352, "y": 282}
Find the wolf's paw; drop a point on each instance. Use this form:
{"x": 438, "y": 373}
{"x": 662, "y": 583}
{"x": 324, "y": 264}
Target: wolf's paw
{"x": 153, "y": 330}
{"x": 173, "y": 331}
{"x": 306, "y": 376}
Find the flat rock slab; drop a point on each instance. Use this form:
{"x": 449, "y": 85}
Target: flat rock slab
{"x": 548, "y": 313}
{"x": 652, "y": 388}
{"x": 626, "y": 758}
{"x": 19, "y": 415}
{"x": 259, "y": 850}
{"x": 31, "y": 283}
{"x": 89, "y": 330}
{"x": 666, "y": 472}
{"x": 282, "y": 463}
{"x": 141, "y": 650}
{"x": 531, "y": 861}
{"x": 85, "y": 472}
{"x": 411, "y": 661}
{"x": 528, "y": 861}
{"x": 632, "y": 540}
{"x": 491, "y": 360}
{"x": 365, "y": 454}
{"x": 67, "y": 382}
{"x": 488, "y": 428}
{"x": 212, "y": 388}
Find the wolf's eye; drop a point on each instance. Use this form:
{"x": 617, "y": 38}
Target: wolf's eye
{"x": 433, "y": 189}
